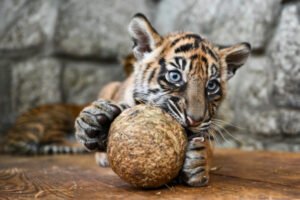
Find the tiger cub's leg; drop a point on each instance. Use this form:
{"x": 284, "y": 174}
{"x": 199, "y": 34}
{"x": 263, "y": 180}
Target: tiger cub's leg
{"x": 101, "y": 159}
{"x": 93, "y": 122}
{"x": 196, "y": 167}
{"x": 44, "y": 130}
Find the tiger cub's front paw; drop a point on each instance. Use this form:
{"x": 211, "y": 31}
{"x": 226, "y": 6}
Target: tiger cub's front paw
{"x": 195, "y": 171}
{"x": 92, "y": 124}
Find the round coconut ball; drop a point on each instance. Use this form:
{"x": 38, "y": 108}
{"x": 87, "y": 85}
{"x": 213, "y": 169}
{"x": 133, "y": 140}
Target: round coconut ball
{"x": 146, "y": 146}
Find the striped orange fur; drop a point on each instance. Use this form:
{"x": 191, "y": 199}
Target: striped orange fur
{"x": 181, "y": 73}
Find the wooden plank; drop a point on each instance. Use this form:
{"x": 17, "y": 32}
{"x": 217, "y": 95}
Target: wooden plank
{"x": 243, "y": 175}
{"x": 273, "y": 167}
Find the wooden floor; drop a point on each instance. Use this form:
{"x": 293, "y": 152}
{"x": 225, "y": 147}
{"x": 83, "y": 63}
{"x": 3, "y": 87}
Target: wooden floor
{"x": 239, "y": 175}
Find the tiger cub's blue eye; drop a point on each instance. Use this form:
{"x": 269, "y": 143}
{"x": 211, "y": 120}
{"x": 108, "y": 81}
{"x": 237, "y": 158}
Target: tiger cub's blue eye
{"x": 174, "y": 76}
{"x": 212, "y": 86}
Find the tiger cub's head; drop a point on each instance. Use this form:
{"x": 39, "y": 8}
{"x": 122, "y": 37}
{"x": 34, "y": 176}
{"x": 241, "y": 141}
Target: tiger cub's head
{"x": 182, "y": 73}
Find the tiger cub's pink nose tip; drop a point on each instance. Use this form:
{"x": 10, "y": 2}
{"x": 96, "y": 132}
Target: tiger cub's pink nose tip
{"x": 191, "y": 122}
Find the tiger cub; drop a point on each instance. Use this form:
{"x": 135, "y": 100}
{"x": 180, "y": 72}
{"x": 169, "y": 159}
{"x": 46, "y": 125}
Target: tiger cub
{"x": 180, "y": 73}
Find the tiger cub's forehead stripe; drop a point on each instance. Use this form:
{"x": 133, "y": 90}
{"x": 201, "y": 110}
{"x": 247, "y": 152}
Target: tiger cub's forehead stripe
{"x": 187, "y": 36}
{"x": 204, "y": 60}
{"x": 197, "y": 37}
{"x": 203, "y": 47}
{"x": 184, "y": 48}
{"x": 195, "y": 56}
{"x": 212, "y": 54}
{"x": 175, "y": 42}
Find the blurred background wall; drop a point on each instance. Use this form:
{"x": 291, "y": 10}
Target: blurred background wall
{"x": 54, "y": 51}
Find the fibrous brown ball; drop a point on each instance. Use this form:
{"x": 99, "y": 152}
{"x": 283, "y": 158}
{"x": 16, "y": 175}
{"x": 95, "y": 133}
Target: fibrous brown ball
{"x": 146, "y": 146}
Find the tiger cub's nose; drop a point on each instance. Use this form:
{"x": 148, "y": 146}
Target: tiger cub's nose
{"x": 192, "y": 122}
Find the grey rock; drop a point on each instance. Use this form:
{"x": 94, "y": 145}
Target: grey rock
{"x": 259, "y": 121}
{"x": 82, "y": 81}
{"x": 32, "y": 26}
{"x": 96, "y": 27}
{"x": 222, "y": 22}
{"x": 248, "y": 100}
{"x": 250, "y": 21}
{"x": 6, "y": 114}
{"x": 252, "y": 103}
{"x": 252, "y": 84}
{"x": 268, "y": 121}
{"x": 282, "y": 147}
{"x": 9, "y": 11}
{"x": 35, "y": 82}
{"x": 252, "y": 142}
{"x": 289, "y": 121}
{"x": 188, "y": 15}
{"x": 285, "y": 53}
{"x": 167, "y": 14}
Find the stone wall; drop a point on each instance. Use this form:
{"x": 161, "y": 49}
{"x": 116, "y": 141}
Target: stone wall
{"x": 64, "y": 51}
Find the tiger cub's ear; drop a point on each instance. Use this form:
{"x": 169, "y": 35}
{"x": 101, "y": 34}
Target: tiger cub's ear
{"x": 144, "y": 36}
{"x": 235, "y": 56}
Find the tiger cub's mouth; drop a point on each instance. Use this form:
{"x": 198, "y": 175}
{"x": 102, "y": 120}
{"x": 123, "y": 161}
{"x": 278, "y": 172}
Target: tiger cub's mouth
{"x": 202, "y": 127}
